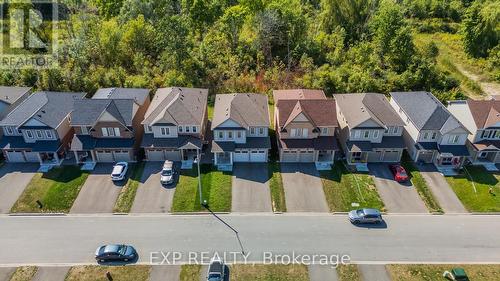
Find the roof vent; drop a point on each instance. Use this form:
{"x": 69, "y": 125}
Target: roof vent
{"x": 39, "y": 115}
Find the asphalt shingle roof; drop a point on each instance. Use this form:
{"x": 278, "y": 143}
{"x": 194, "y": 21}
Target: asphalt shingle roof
{"x": 9, "y": 95}
{"x": 247, "y": 110}
{"x": 486, "y": 113}
{"x": 137, "y": 94}
{"x": 88, "y": 111}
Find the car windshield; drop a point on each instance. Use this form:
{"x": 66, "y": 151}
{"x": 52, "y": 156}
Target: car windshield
{"x": 122, "y": 249}
{"x": 360, "y": 212}
{"x": 214, "y": 275}
{"x": 402, "y": 173}
{"x": 166, "y": 172}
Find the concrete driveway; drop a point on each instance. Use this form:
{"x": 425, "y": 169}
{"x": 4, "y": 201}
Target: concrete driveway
{"x": 6, "y": 273}
{"x": 99, "y": 193}
{"x": 303, "y": 188}
{"x": 441, "y": 190}
{"x": 52, "y": 273}
{"x": 397, "y": 197}
{"x": 152, "y": 196}
{"x": 13, "y": 180}
{"x": 250, "y": 191}
{"x": 322, "y": 273}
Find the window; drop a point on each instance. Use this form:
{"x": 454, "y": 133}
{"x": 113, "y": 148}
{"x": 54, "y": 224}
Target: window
{"x": 48, "y": 134}
{"x": 84, "y": 130}
{"x": 252, "y": 131}
{"x": 180, "y": 129}
{"x": 387, "y": 130}
{"x": 324, "y": 131}
{"x": 165, "y": 131}
{"x": 104, "y": 132}
{"x": 261, "y": 131}
{"x": 239, "y": 134}
{"x": 187, "y": 129}
{"x": 483, "y": 134}
{"x": 298, "y": 132}
{"x": 375, "y": 134}
{"x": 434, "y": 135}
{"x": 149, "y": 128}
{"x": 357, "y": 134}
{"x": 396, "y": 130}
{"x": 29, "y": 134}
{"x": 9, "y": 130}
{"x": 497, "y": 134}
{"x": 39, "y": 134}
{"x": 454, "y": 138}
{"x": 366, "y": 134}
{"x": 221, "y": 135}
{"x": 230, "y": 135}
{"x": 194, "y": 129}
{"x": 305, "y": 132}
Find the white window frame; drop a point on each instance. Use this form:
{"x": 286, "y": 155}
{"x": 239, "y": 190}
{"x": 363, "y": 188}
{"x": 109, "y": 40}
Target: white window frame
{"x": 229, "y": 135}
{"x": 261, "y": 131}
{"x": 39, "y": 134}
{"x": 104, "y": 132}
{"x": 357, "y": 134}
{"x": 9, "y": 130}
{"x": 305, "y": 132}
{"x": 252, "y": 131}
{"x": 187, "y": 129}
{"x": 84, "y": 130}
{"x": 48, "y": 134}
{"x": 194, "y": 129}
{"x": 220, "y": 134}
{"x": 324, "y": 131}
{"x": 454, "y": 139}
{"x": 239, "y": 135}
{"x": 366, "y": 134}
{"x": 375, "y": 134}
{"x": 180, "y": 129}
{"x": 426, "y": 135}
{"x": 29, "y": 134}
{"x": 433, "y": 136}
{"x": 165, "y": 131}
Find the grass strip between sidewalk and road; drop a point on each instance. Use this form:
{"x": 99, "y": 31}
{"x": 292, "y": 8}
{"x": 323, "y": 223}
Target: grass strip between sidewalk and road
{"x": 480, "y": 199}
{"x": 118, "y": 273}
{"x": 24, "y": 273}
{"x": 216, "y": 189}
{"x": 419, "y": 272}
{"x": 127, "y": 194}
{"x": 342, "y": 188}
{"x": 57, "y": 190}
{"x": 270, "y": 272}
{"x": 276, "y": 187}
{"x": 348, "y": 272}
{"x": 421, "y": 186}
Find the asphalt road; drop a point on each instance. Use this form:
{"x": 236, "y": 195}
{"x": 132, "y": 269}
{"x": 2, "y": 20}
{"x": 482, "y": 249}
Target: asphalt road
{"x": 65, "y": 240}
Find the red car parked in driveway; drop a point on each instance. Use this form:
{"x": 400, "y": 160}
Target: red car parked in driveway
{"x": 399, "y": 173}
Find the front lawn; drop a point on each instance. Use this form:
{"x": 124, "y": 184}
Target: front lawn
{"x": 216, "y": 189}
{"x": 482, "y": 200}
{"x": 421, "y": 186}
{"x": 56, "y": 189}
{"x": 342, "y": 188}
{"x": 118, "y": 273}
{"x": 273, "y": 272}
{"x": 127, "y": 194}
{"x": 348, "y": 272}
{"x": 276, "y": 187}
{"x": 190, "y": 272}
{"x": 24, "y": 273}
{"x": 421, "y": 272}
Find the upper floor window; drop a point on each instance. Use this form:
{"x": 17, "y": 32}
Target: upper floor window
{"x": 261, "y": 131}
{"x": 39, "y": 134}
{"x": 187, "y": 129}
{"x": 387, "y": 130}
{"x": 180, "y": 129}
{"x": 239, "y": 134}
{"x": 48, "y": 134}
{"x": 230, "y": 135}
{"x": 194, "y": 129}
{"x": 252, "y": 131}
{"x": 454, "y": 138}
{"x": 375, "y": 134}
{"x": 110, "y": 132}
{"x": 366, "y": 134}
{"x": 165, "y": 131}
{"x": 9, "y": 130}
{"x": 434, "y": 135}
{"x": 29, "y": 134}
{"x": 324, "y": 131}
{"x": 357, "y": 134}
{"x": 85, "y": 131}
{"x": 300, "y": 132}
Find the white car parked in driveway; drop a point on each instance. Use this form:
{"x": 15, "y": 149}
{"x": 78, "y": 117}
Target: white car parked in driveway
{"x": 119, "y": 171}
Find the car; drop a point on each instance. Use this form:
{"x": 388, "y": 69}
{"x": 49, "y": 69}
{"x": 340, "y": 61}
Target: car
{"x": 108, "y": 253}
{"x": 216, "y": 270}
{"x": 365, "y": 216}
{"x": 167, "y": 172}
{"x": 119, "y": 171}
{"x": 399, "y": 173}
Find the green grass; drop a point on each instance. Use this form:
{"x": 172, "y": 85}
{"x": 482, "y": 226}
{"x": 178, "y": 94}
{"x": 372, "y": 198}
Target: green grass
{"x": 276, "y": 187}
{"x": 240, "y": 272}
{"x": 482, "y": 200}
{"x": 57, "y": 190}
{"x": 342, "y": 188}
{"x": 424, "y": 272}
{"x": 216, "y": 189}
{"x": 118, "y": 273}
{"x": 421, "y": 186}
{"x": 348, "y": 272}
{"x": 127, "y": 194}
{"x": 190, "y": 272}
{"x": 24, "y": 273}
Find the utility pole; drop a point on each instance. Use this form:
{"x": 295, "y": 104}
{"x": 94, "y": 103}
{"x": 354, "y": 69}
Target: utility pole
{"x": 198, "y": 159}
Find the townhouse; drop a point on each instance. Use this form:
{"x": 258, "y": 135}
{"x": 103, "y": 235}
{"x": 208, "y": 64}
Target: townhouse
{"x": 11, "y": 97}
{"x": 432, "y": 133}
{"x": 108, "y": 126}
{"x": 38, "y": 129}
{"x": 482, "y": 119}
{"x": 370, "y": 129}
{"x": 175, "y": 125}
{"x": 305, "y": 124}
{"x": 240, "y": 129}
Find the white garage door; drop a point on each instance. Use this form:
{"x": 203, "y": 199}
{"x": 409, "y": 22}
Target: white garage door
{"x": 156, "y": 155}
{"x": 122, "y": 156}
{"x": 15, "y": 156}
{"x": 31, "y": 157}
{"x": 391, "y": 156}
{"x": 258, "y": 156}
{"x": 306, "y": 156}
{"x": 374, "y": 156}
{"x": 241, "y": 156}
{"x": 105, "y": 156}
{"x": 425, "y": 156}
{"x": 289, "y": 156}
{"x": 173, "y": 155}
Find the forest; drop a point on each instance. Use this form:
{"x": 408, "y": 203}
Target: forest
{"x": 339, "y": 46}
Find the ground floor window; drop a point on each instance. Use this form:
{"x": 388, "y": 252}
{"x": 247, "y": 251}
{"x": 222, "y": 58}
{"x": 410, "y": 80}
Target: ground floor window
{"x": 356, "y": 155}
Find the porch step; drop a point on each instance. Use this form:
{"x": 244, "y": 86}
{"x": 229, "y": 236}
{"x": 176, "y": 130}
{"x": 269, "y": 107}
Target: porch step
{"x": 185, "y": 165}
{"x": 88, "y": 166}
{"x": 45, "y": 168}
{"x": 323, "y": 166}
{"x": 362, "y": 167}
{"x": 490, "y": 167}
{"x": 227, "y": 168}
{"x": 448, "y": 171}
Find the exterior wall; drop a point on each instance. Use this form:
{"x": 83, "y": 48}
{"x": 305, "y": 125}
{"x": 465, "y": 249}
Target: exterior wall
{"x": 371, "y": 134}
{"x": 64, "y": 128}
{"x": 410, "y": 133}
{"x": 445, "y": 140}
{"x": 172, "y": 131}
{"x": 225, "y": 135}
{"x": 299, "y": 125}
{"x": 97, "y": 129}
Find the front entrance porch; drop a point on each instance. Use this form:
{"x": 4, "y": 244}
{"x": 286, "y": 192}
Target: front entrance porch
{"x": 48, "y": 160}
{"x": 325, "y": 160}
{"x": 224, "y": 161}
{"x": 189, "y": 156}
{"x": 448, "y": 164}
{"x": 488, "y": 159}
{"x": 86, "y": 158}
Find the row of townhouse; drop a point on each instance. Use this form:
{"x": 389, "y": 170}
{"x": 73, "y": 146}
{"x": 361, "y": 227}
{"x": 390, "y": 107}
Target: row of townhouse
{"x": 118, "y": 124}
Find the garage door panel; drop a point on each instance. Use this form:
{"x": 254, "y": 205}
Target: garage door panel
{"x": 122, "y": 156}
{"x": 374, "y": 156}
{"x": 391, "y": 156}
{"x": 173, "y": 155}
{"x": 156, "y": 155}
{"x": 105, "y": 156}
{"x": 425, "y": 156}
{"x": 15, "y": 156}
{"x": 306, "y": 156}
{"x": 258, "y": 156}
{"x": 289, "y": 156}
{"x": 31, "y": 157}
{"x": 241, "y": 156}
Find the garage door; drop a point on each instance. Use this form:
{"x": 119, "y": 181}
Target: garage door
{"x": 306, "y": 156}
{"x": 122, "y": 156}
{"x": 156, "y": 155}
{"x": 105, "y": 156}
{"x": 15, "y": 156}
{"x": 31, "y": 157}
{"x": 425, "y": 156}
{"x": 258, "y": 156}
{"x": 173, "y": 155}
{"x": 241, "y": 156}
{"x": 391, "y": 156}
{"x": 374, "y": 156}
{"x": 289, "y": 156}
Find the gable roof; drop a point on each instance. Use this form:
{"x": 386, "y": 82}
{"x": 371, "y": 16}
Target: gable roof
{"x": 137, "y": 94}
{"x": 426, "y": 112}
{"x": 10, "y": 95}
{"x": 88, "y": 111}
{"x": 361, "y": 107}
{"x": 297, "y": 94}
{"x": 320, "y": 112}
{"x": 484, "y": 112}
{"x": 248, "y": 110}
{"x": 49, "y": 108}
{"x": 177, "y": 106}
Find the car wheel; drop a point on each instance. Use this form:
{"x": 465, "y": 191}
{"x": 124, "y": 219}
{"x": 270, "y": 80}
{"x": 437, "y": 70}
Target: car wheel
{"x": 101, "y": 260}
{"x": 355, "y": 222}
{"x": 125, "y": 259}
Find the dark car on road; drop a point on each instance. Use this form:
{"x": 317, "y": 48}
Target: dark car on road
{"x": 399, "y": 173}
{"x": 109, "y": 253}
{"x": 365, "y": 216}
{"x": 216, "y": 270}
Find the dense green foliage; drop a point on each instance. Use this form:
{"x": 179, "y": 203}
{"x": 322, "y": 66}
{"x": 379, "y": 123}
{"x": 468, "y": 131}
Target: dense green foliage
{"x": 255, "y": 45}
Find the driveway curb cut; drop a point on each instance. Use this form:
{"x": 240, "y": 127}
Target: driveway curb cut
{"x": 36, "y": 214}
{"x": 199, "y": 213}
{"x": 486, "y": 213}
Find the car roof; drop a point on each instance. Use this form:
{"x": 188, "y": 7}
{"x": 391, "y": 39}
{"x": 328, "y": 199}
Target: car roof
{"x": 215, "y": 266}
{"x": 371, "y": 211}
{"x": 168, "y": 164}
{"x": 111, "y": 248}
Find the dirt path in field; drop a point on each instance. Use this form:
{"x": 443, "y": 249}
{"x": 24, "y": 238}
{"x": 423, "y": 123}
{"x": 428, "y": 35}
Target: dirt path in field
{"x": 489, "y": 88}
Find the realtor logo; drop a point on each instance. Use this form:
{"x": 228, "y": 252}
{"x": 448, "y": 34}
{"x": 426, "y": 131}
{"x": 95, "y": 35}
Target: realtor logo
{"x": 29, "y": 34}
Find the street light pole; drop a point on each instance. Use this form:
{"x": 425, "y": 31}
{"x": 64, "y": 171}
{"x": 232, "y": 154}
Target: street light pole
{"x": 198, "y": 159}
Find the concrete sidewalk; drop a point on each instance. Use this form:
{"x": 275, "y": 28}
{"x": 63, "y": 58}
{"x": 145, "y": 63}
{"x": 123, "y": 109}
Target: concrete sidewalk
{"x": 52, "y": 273}
{"x": 6, "y": 273}
{"x": 322, "y": 273}
{"x": 165, "y": 272}
{"x": 370, "y": 272}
